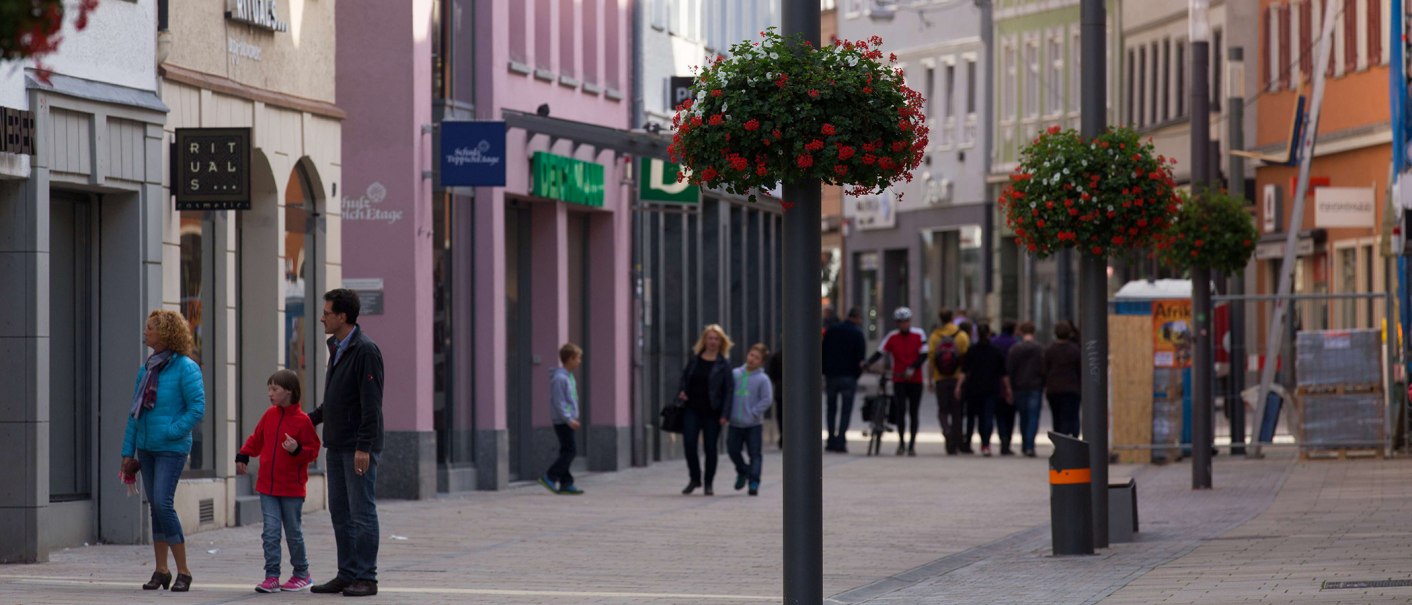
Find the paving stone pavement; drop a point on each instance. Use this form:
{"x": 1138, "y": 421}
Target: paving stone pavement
{"x": 931, "y": 529}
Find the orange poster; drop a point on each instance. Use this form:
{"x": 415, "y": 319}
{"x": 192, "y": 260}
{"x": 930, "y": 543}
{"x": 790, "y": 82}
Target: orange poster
{"x": 1171, "y": 333}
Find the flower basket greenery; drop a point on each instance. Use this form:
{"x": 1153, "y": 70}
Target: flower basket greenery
{"x": 1099, "y": 196}
{"x": 29, "y": 29}
{"x": 781, "y": 110}
{"x": 1216, "y": 233}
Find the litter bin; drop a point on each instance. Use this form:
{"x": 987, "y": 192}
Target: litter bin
{"x": 1070, "y": 496}
{"x": 1122, "y": 511}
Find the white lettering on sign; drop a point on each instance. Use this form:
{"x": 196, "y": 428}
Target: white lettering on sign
{"x": 240, "y": 49}
{"x": 479, "y": 154}
{"x": 365, "y": 207}
{"x": 260, "y": 13}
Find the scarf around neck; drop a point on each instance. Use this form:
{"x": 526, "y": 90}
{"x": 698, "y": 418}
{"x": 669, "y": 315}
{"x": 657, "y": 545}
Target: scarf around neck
{"x": 146, "y": 396}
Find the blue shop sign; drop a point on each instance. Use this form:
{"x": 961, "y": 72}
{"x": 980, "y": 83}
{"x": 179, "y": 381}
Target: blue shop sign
{"x": 472, "y": 154}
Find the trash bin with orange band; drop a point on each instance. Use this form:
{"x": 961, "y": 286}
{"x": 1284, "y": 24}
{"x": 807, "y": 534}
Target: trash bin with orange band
{"x": 1070, "y": 496}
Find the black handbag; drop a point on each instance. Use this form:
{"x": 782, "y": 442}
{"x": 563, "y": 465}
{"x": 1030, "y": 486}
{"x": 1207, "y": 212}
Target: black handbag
{"x": 673, "y": 418}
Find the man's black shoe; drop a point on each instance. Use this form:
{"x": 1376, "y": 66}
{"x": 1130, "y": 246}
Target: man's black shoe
{"x": 333, "y": 586}
{"x": 361, "y": 588}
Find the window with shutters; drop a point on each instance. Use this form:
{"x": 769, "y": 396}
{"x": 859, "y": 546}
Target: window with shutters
{"x": 1055, "y": 85}
{"x": 1285, "y": 53}
{"x": 1350, "y": 36}
{"x": 518, "y": 35}
{"x": 1271, "y": 49}
{"x": 543, "y": 28}
{"x": 1132, "y": 81}
{"x": 1032, "y": 79}
{"x": 1139, "y": 109}
{"x": 1306, "y": 39}
{"x": 1166, "y": 80}
{"x": 1154, "y": 77}
{"x": 1375, "y": 32}
{"x": 1180, "y": 68}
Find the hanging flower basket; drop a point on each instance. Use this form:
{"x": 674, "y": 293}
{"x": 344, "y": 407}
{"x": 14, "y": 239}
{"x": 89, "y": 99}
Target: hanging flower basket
{"x": 29, "y": 29}
{"x": 1217, "y": 234}
{"x": 1099, "y": 197}
{"x": 784, "y": 111}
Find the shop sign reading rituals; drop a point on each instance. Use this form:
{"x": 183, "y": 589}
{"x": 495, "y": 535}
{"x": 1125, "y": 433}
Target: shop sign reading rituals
{"x": 212, "y": 169}
{"x": 263, "y": 14}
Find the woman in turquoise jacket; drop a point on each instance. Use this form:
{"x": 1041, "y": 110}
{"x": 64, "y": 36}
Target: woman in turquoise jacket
{"x": 167, "y": 403}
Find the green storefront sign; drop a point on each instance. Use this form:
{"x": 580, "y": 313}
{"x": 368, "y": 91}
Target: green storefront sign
{"x": 567, "y": 179}
{"x": 658, "y": 183}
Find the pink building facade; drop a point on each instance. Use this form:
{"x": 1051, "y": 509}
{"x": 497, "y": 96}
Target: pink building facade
{"x": 470, "y": 292}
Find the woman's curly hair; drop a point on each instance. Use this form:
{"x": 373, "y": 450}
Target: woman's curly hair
{"x": 173, "y": 333}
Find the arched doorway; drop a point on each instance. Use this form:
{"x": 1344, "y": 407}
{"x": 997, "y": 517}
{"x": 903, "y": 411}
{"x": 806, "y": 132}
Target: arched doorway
{"x": 303, "y": 270}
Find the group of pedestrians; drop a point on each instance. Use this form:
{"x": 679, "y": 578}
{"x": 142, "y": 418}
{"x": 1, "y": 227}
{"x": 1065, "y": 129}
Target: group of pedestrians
{"x": 169, "y": 401}
{"x": 982, "y": 381}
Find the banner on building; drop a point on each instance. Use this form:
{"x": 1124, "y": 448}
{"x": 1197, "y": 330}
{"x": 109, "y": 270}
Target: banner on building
{"x": 212, "y": 169}
{"x": 473, "y": 154}
{"x": 678, "y": 90}
{"x": 658, "y": 183}
{"x": 567, "y": 179}
{"x": 1345, "y": 207}
{"x": 1171, "y": 333}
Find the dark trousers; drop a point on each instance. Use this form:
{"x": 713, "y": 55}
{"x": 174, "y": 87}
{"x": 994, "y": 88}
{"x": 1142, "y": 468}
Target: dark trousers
{"x": 1028, "y": 403}
{"x": 707, "y": 427}
{"x": 749, "y": 438}
{"x": 845, "y": 388}
{"x": 972, "y": 409}
{"x": 984, "y": 405}
{"x": 352, "y": 507}
{"x": 949, "y": 412}
{"x": 1065, "y": 408}
{"x": 1004, "y": 423}
{"x": 909, "y": 395}
{"x": 568, "y": 448}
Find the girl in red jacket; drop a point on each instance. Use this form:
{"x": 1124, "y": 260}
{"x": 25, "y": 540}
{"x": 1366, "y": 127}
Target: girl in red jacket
{"x": 285, "y": 442}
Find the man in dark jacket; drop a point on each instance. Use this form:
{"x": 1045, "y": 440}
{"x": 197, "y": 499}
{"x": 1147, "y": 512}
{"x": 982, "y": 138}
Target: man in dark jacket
{"x": 844, "y": 348}
{"x": 352, "y": 417}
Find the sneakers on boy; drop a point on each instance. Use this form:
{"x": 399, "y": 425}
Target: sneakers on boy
{"x": 570, "y": 490}
{"x": 269, "y": 585}
{"x": 740, "y": 482}
{"x": 296, "y": 584}
{"x": 754, "y": 488}
{"x": 548, "y": 483}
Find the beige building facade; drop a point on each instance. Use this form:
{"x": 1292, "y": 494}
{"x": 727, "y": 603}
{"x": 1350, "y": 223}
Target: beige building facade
{"x": 250, "y": 282}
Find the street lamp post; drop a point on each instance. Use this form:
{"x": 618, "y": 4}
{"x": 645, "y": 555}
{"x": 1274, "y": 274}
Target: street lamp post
{"x": 1093, "y": 274}
{"x": 1202, "y": 406}
{"x": 803, "y": 462}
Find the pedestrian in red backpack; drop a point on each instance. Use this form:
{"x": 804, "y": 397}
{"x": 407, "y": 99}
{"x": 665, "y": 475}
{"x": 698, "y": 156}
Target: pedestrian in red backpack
{"x": 285, "y": 442}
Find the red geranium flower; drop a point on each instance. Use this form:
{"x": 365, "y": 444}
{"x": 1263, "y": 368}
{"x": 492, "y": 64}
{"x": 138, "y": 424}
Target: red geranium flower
{"x": 717, "y": 119}
{"x": 752, "y": 125}
{"x": 804, "y": 160}
{"x": 814, "y": 145}
{"x": 828, "y": 130}
{"x": 845, "y": 152}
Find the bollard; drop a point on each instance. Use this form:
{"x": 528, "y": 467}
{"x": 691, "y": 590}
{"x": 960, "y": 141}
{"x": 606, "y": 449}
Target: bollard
{"x": 1070, "y": 496}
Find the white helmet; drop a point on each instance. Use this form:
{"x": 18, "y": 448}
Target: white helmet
{"x": 902, "y": 314}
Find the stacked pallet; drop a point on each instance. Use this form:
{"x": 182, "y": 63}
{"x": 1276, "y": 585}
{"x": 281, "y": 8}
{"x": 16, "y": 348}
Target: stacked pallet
{"x": 1339, "y": 396}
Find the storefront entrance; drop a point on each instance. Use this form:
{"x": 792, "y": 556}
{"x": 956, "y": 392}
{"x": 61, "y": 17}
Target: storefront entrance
{"x": 73, "y": 277}
{"x": 518, "y": 327}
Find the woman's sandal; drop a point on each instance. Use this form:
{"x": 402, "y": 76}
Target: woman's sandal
{"x": 160, "y": 579}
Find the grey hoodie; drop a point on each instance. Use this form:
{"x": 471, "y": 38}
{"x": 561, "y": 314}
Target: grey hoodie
{"x": 563, "y": 396}
{"x": 751, "y": 394}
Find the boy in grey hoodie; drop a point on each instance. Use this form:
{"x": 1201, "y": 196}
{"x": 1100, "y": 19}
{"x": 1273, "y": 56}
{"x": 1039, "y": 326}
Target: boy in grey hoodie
{"x": 564, "y": 410}
{"x": 745, "y": 413}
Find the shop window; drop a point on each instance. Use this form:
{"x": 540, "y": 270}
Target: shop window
{"x": 197, "y": 306}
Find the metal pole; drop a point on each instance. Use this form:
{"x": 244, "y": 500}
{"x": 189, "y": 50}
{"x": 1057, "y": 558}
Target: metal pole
{"x": 1276, "y": 333}
{"x": 1202, "y": 406}
{"x": 1094, "y": 274}
{"x": 1235, "y": 134}
{"x": 803, "y": 462}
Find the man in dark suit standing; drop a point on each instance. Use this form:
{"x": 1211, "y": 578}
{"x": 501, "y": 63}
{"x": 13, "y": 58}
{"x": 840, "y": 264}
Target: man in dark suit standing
{"x": 844, "y": 349}
{"x": 352, "y": 417}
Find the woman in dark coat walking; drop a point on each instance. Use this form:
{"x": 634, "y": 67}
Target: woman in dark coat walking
{"x": 705, "y": 385}
{"x": 982, "y": 387}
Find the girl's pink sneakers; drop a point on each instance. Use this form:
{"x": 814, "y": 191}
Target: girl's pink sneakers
{"x": 269, "y": 585}
{"x": 296, "y": 584}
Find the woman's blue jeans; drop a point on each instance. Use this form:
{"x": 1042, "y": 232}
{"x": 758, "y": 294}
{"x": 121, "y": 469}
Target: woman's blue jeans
{"x": 1029, "y": 403}
{"x": 160, "y": 473}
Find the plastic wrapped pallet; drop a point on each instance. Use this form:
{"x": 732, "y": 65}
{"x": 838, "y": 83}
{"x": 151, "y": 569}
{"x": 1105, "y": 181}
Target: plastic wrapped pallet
{"x": 1343, "y": 420}
{"x": 1329, "y": 358}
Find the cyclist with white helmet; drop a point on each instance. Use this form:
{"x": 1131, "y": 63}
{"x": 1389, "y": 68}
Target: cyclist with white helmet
{"x": 908, "y": 347}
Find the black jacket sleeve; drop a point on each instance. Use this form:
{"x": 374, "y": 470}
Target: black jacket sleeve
{"x": 686, "y": 374}
{"x": 317, "y": 416}
{"x": 369, "y": 399}
{"x": 858, "y": 349}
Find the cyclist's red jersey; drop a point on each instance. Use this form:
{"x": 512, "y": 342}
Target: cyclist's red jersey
{"x": 905, "y": 348}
